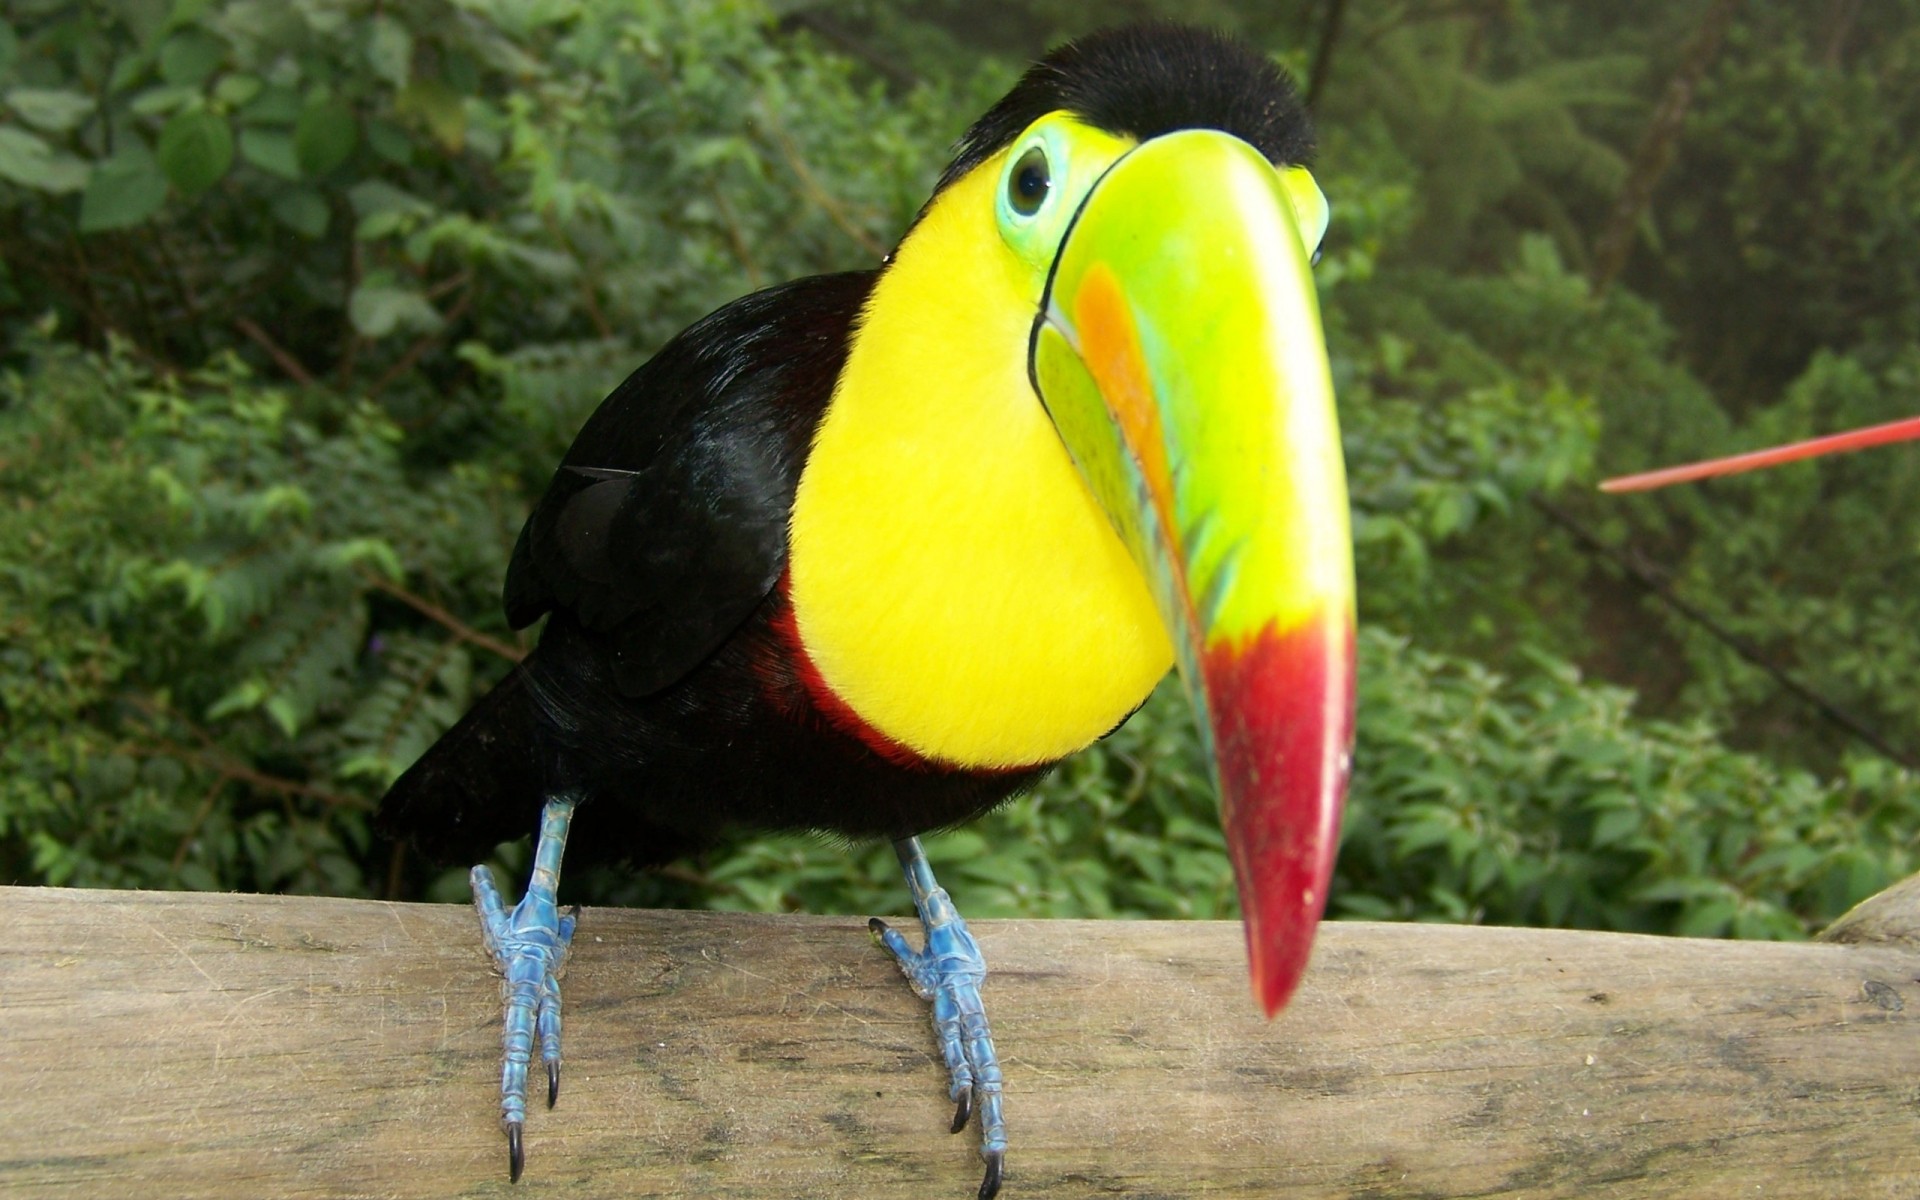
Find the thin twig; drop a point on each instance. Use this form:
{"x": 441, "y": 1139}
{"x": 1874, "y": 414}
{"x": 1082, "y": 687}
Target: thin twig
{"x": 282, "y": 358}
{"x": 835, "y": 211}
{"x": 433, "y": 612}
{"x": 350, "y": 348}
{"x": 415, "y": 694}
{"x": 200, "y": 816}
{"x": 457, "y": 280}
{"x": 418, "y": 350}
{"x": 890, "y": 66}
{"x": 1643, "y": 575}
{"x": 230, "y": 769}
{"x": 213, "y": 757}
{"x": 738, "y": 239}
{"x": 1323, "y": 55}
{"x": 160, "y": 711}
{"x": 589, "y": 279}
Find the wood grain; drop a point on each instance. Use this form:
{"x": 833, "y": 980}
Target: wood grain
{"x": 163, "y": 1045}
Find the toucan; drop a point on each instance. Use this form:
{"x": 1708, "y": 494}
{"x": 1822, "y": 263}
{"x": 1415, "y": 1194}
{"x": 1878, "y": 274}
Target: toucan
{"x": 869, "y": 553}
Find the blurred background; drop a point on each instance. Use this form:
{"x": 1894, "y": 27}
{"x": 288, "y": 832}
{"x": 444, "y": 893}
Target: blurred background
{"x": 300, "y": 302}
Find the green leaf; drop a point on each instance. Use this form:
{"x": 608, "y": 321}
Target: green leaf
{"x": 30, "y": 162}
{"x": 195, "y": 150}
{"x": 302, "y": 210}
{"x": 276, "y": 105}
{"x": 186, "y": 12}
{"x": 285, "y": 713}
{"x": 370, "y": 551}
{"x": 377, "y": 197}
{"x": 377, "y": 311}
{"x": 189, "y": 56}
{"x": 324, "y": 136}
{"x": 54, "y": 110}
{"x": 123, "y": 190}
{"x": 390, "y": 142}
{"x": 1615, "y": 825}
{"x": 272, "y": 150}
{"x": 1707, "y": 920}
{"x": 242, "y": 697}
{"x": 384, "y": 209}
{"x": 236, "y": 91}
{"x": 9, "y": 45}
{"x": 390, "y": 50}
{"x": 164, "y": 98}
{"x": 438, "y": 107}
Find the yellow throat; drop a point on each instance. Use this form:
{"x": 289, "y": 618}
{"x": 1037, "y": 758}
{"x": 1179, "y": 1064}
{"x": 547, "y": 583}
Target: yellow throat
{"x": 953, "y": 580}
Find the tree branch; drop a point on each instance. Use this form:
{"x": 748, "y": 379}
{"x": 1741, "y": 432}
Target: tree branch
{"x": 414, "y": 353}
{"x": 1323, "y": 53}
{"x": 762, "y": 1057}
{"x": 835, "y": 211}
{"x": 433, "y": 612}
{"x": 1641, "y": 574}
{"x": 1655, "y": 152}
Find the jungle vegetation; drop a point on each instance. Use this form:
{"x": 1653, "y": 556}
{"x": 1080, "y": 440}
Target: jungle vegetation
{"x": 300, "y": 300}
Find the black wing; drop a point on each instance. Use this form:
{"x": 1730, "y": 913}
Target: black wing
{"x": 666, "y": 523}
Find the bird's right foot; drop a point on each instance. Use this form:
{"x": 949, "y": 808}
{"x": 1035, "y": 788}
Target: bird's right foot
{"x": 948, "y": 973}
{"x": 529, "y": 945}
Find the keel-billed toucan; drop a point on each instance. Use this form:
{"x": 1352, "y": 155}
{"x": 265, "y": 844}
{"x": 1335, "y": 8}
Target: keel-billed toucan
{"x": 868, "y": 553}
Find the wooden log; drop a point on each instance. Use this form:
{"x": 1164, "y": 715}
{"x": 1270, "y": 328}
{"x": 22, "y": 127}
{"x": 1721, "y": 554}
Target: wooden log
{"x": 178, "y": 1045}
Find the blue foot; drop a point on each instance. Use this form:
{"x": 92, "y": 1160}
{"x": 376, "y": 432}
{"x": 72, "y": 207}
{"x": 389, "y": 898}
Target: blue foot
{"x": 949, "y": 973}
{"x": 529, "y": 945}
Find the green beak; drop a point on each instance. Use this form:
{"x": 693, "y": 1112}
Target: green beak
{"x": 1180, "y": 354}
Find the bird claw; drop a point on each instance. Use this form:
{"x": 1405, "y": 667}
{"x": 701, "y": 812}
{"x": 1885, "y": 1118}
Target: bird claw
{"x": 962, "y": 1112}
{"x": 529, "y": 944}
{"x": 996, "y": 1167}
{"x": 948, "y": 972}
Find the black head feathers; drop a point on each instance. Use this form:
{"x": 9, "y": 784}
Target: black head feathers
{"x": 1146, "y": 80}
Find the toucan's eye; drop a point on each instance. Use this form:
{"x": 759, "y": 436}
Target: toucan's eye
{"x": 1027, "y": 186}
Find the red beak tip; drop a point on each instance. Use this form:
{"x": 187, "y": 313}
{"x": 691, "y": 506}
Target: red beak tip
{"x": 1282, "y": 708}
{"x": 1278, "y": 966}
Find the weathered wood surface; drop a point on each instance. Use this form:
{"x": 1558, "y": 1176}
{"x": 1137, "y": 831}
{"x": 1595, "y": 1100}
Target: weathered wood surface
{"x": 166, "y": 1045}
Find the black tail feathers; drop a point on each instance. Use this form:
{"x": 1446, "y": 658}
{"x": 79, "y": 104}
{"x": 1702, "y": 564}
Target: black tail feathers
{"x": 479, "y": 785}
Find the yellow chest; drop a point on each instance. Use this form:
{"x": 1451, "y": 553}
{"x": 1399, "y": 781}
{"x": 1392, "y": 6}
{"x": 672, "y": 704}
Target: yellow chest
{"x": 953, "y": 580}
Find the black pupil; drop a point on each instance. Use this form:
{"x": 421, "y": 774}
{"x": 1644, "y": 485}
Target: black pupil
{"x": 1030, "y": 182}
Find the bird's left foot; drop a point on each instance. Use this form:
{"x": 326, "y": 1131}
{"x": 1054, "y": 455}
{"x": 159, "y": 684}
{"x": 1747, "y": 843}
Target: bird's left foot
{"x": 949, "y": 972}
{"x": 529, "y": 944}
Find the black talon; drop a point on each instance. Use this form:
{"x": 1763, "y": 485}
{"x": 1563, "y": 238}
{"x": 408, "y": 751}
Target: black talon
{"x": 516, "y": 1154}
{"x": 963, "y": 1111}
{"x": 553, "y": 1082}
{"x": 996, "y": 1167}
{"x": 876, "y": 926}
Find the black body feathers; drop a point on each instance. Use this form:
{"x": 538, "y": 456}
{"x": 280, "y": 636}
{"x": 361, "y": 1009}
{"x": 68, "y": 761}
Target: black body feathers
{"x": 666, "y": 522}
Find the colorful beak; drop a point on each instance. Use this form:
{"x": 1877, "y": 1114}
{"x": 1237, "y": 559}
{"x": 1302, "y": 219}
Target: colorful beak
{"x": 1180, "y": 354}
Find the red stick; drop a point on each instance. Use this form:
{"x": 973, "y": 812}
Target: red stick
{"x": 1837, "y": 443}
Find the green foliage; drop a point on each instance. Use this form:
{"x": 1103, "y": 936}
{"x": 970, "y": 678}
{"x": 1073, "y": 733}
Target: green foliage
{"x": 1833, "y": 545}
{"x": 204, "y": 686}
{"x": 358, "y": 196}
{"x": 301, "y": 302}
{"x": 1541, "y": 800}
